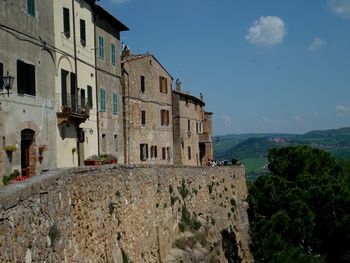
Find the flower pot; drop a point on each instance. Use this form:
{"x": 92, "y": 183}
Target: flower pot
{"x": 93, "y": 162}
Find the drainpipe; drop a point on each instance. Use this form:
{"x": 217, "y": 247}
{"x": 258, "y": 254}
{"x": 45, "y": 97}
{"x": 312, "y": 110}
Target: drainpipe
{"x": 76, "y": 79}
{"x": 96, "y": 89}
{"x": 129, "y": 115}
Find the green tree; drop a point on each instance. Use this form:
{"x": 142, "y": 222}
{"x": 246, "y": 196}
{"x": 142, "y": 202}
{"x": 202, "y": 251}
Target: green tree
{"x": 302, "y": 212}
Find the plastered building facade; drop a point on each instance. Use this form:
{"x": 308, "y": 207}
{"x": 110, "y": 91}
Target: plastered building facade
{"x": 109, "y": 84}
{"x": 75, "y": 83}
{"x": 28, "y": 113}
{"x": 148, "y": 124}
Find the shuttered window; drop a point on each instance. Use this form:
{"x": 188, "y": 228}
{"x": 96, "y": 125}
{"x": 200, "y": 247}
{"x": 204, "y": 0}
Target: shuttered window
{"x": 113, "y": 54}
{"x": 25, "y": 78}
{"x": 66, "y": 22}
{"x": 82, "y": 98}
{"x": 164, "y": 117}
{"x": 64, "y": 75}
{"x": 31, "y": 7}
{"x": 89, "y": 97}
{"x": 189, "y": 152}
{"x": 101, "y": 48}
{"x": 115, "y": 103}
{"x": 102, "y": 100}
{"x": 1, "y": 75}
{"x": 163, "y": 84}
{"x": 82, "y": 32}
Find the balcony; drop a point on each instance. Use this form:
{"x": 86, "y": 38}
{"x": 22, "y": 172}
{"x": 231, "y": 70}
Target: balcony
{"x": 71, "y": 108}
{"x": 204, "y": 137}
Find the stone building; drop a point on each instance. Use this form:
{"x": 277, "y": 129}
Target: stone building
{"x": 109, "y": 84}
{"x": 27, "y": 116}
{"x": 192, "y": 129}
{"x": 148, "y": 123}
{"x": 75, "y": 87}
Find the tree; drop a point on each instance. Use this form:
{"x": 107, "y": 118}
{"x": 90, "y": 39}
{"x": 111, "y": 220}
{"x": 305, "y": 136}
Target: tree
{"x": 301, "y": 213}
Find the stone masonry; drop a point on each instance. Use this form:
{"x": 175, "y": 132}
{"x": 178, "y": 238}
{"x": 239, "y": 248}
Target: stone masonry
{"x": 117, "y": 213}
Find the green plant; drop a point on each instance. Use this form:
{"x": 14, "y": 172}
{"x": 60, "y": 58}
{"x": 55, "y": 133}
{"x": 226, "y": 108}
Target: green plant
{"x": 54, "y": 234}
{"x": 125, "y": 256}
{"x": 6, "y": 179}
{"x": 10, "y": 148}
{"x": 187, "y": 221}
{"x": 184, "y": 192}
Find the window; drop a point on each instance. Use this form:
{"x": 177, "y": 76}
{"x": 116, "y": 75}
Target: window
{"x": 66, "y": 23}
{"x": 116, "y": 142}
{"x": 142, "y": 87}
{"x": 154, "y": 152}
{"x": 25, "y": 78}
{"x": 31, "y": 7}
{"x": 189, "y": 152}
{"x": 164, "y": 117}
{"x": 143, "y": 151}
{"x": 82, "y": 32}
{"x": 113, "y": 54}
{"x": 104, "y": 143}
{"x": 163, "y": 153}
{"x": 64, "y": 96}
{"x": 115, "y": 103}
{"x": 82, "y": 98}
{"x": 168, "y": 152}
{"x": 101, "y": 48}
{"x": 102, "y": 100}
{"x": 163, "y": 85}
{"x": 189, "y": 125}
{"x": 143, "y": 118}
{"x": 89, "y": 97}
{"x": 1, "y": 75}
{"x": 197, "y": 127}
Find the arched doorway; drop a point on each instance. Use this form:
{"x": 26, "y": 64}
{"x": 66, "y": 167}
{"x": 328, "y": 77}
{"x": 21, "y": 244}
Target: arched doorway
{"x": 28, "y": 157}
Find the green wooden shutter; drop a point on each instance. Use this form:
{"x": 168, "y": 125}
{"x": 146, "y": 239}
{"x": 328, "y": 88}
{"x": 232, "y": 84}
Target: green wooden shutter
{"x": 20, "y": 76}
{"x": 90, "y": 101}
{"x": 31, "y": 7}
{"x": 66, "y": 22}
{"x": 115, "y": 103}
{"x": 30, "y": 74}
{"x": 82, "y": 32}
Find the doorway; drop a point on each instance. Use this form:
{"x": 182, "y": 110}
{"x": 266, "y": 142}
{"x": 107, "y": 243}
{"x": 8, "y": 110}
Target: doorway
{"x": 27, "y": 152}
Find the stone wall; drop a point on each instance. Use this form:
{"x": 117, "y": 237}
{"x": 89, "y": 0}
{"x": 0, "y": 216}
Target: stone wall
{"x": 126, "y": 214}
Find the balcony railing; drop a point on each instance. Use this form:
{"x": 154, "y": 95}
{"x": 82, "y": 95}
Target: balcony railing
{"x": 71, "y": 106}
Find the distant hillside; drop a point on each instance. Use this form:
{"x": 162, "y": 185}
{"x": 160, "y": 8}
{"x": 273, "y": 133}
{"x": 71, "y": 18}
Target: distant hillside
{"x": 252, "y": 149}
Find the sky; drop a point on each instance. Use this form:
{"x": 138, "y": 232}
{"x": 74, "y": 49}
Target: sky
{"x": 263, "y": 66}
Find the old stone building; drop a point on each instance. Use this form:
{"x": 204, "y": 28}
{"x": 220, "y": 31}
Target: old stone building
{"x": 192, "y": 129}
{"x": 147, "y": 109}
{"x": 27, "y": 116}
{"x": 109, "y": 84}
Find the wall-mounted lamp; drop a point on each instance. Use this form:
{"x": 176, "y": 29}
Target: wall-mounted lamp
{"x": 6, "y": 83}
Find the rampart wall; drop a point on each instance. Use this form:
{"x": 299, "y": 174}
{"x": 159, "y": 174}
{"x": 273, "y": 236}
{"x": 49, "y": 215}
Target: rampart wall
{"x": 126, "y": 214}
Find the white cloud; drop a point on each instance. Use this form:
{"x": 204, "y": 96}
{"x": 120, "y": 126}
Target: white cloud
{"x": 316, "y": 44}
{"x": 227, "y": 120}
{"x": 117, "y": 2}
{"x": 340, "y": 109}
{"x": 267, "y": 31}
{"x": 340, "y": 7}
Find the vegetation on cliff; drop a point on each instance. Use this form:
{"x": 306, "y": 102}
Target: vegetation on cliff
{"x": 301, "y": 213}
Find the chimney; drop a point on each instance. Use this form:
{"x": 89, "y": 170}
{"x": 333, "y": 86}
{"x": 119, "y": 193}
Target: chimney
{"x": 178, "y": 85}
{"x": 126, "y": 52}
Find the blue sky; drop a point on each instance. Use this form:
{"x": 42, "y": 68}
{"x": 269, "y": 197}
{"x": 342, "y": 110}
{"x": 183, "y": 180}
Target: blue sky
{"x": 262, "y": 66}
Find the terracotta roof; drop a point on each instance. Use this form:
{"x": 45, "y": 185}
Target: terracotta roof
{"x": 140, "y": 56}
{"x": 189, "y": 96}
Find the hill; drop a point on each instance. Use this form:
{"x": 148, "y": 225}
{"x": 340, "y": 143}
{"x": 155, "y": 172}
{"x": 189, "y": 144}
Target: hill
{"x": 252, "y": 149}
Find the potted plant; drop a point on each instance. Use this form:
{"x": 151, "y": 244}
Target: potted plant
{"x": 10, "y": 148}
{"x": 109, "y": 159}
{"x": 93, "y": 160}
